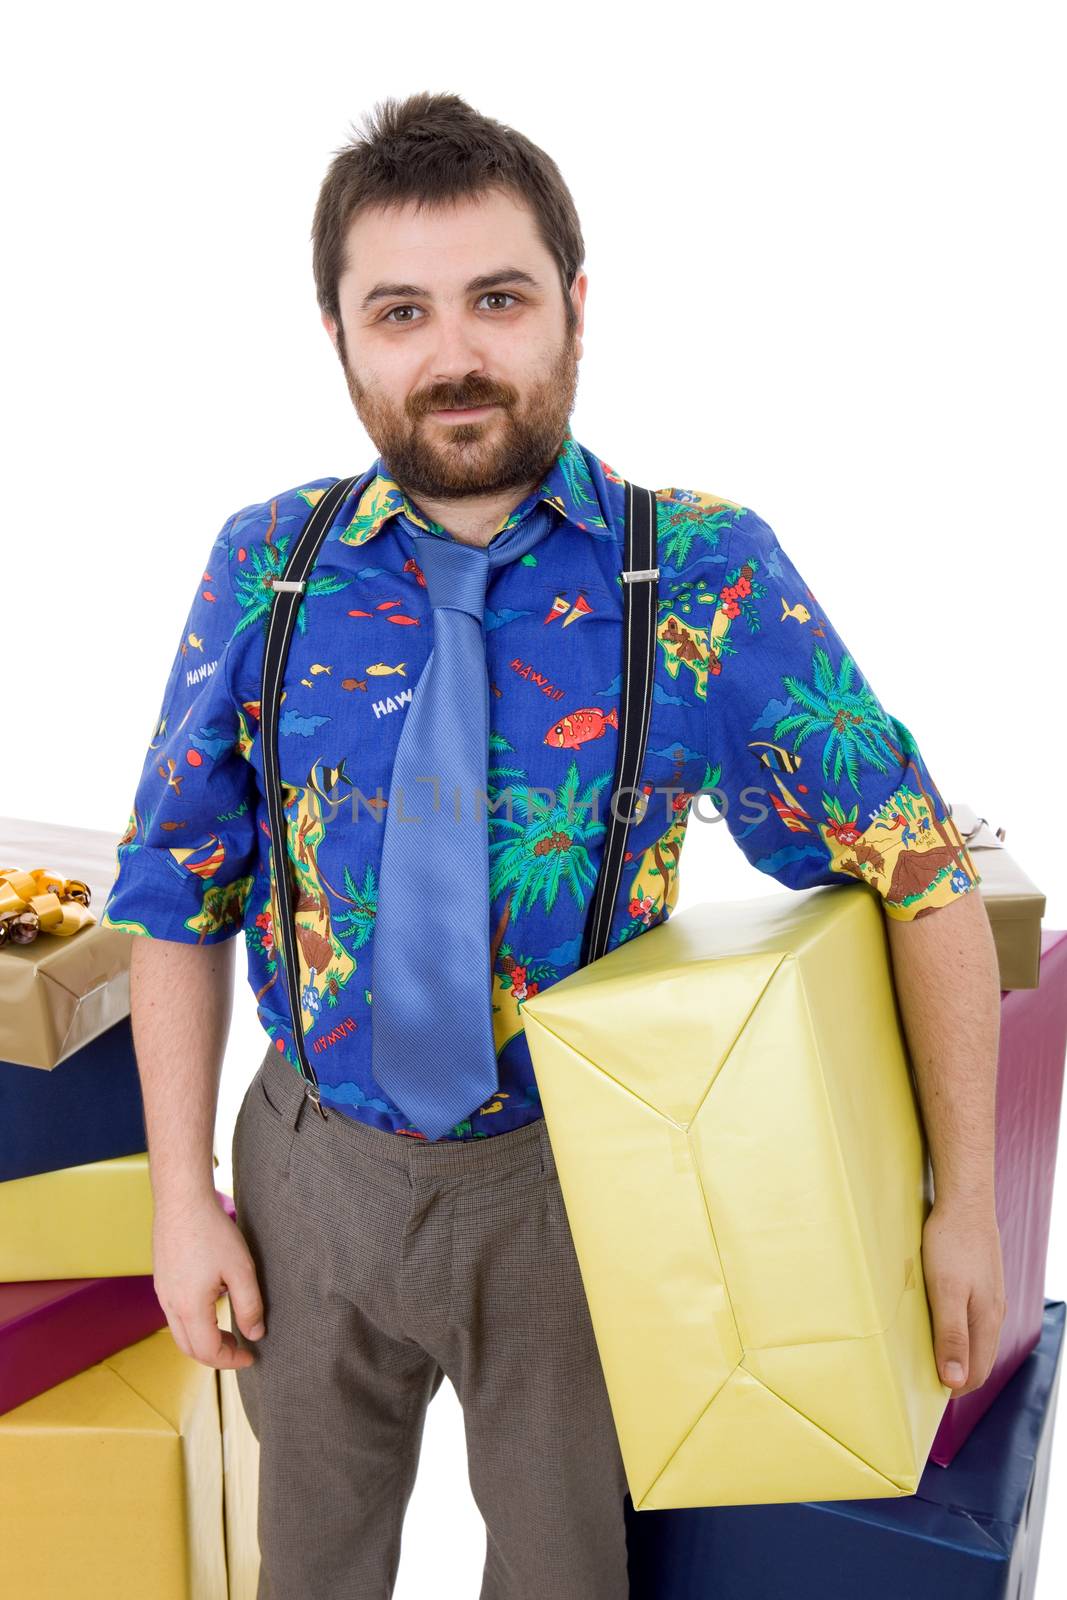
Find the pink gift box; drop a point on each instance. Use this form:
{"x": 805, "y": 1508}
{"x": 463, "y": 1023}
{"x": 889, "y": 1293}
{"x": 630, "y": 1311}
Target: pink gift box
{"x": 56, "y": 1327}
{"x": 1033, "y": 1042}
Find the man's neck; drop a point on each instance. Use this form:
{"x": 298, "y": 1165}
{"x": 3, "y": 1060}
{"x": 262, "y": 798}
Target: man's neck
{"x": 475, "y": 519}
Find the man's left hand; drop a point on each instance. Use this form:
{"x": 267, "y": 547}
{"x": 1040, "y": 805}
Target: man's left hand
{"x": 964, "y": 1277}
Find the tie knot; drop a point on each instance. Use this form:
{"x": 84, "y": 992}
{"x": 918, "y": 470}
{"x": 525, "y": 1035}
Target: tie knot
{"x": 455, "y": 574}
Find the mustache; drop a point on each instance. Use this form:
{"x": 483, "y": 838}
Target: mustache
{"x": 460, "y": 396}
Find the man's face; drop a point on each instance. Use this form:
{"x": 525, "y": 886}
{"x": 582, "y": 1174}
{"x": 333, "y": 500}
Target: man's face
{"x": 458, "y": 307}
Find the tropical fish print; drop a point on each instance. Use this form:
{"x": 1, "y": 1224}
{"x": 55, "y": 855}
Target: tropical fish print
{"x": 579, "y": 727}
{"x": 757, "y": 702}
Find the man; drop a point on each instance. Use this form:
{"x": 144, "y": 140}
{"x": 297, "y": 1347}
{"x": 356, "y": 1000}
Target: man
{"x": 399, "y": 1216}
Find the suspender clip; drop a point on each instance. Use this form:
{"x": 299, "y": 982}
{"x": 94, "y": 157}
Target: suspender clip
{"x": 311, "y": 1090}
{"x": 640, "y": 574}
{"x": 290, "y": 585}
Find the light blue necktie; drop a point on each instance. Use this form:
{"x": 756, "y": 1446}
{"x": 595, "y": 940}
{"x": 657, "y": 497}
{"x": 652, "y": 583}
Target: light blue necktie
{"x": 432, "y": 1045}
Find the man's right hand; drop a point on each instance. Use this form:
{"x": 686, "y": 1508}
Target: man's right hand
{"x": 198, "y": 1254}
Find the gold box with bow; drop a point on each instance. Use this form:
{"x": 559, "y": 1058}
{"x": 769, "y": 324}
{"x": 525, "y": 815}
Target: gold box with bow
{"x": 61, "y": 991}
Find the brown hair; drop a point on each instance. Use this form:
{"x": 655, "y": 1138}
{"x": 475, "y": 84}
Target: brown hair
{"x": 434, "y": 149}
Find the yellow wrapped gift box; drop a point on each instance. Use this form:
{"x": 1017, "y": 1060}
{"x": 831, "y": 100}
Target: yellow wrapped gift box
{"x": 112, "y": 1482}
{"x": 88, "y": 1221}
{"x": 741, "y": 1156}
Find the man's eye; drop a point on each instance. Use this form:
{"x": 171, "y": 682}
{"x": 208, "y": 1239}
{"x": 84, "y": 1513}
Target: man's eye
{"x": 490, "y": 294}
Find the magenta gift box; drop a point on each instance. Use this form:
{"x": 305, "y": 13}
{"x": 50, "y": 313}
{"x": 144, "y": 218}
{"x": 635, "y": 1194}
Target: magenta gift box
{"x": 1033, "y": 1042}
{"x": 56, "y": 1327}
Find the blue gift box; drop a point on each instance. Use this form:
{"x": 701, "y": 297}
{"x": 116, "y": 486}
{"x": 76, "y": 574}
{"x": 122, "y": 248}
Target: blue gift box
{"x": 971, "y": 1530}
{"x": 88, "y": 1108}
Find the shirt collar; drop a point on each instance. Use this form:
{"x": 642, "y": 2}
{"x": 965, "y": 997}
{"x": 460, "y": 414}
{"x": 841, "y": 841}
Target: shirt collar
{"x": 566, "y": 485}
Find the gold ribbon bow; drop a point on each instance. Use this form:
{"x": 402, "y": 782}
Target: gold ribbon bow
{"x": 41, "y": 901}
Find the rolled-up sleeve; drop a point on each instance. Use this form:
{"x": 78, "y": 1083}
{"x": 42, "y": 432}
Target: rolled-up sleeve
{"x": 815, "y": 780}
{"x": 186, "y": 861}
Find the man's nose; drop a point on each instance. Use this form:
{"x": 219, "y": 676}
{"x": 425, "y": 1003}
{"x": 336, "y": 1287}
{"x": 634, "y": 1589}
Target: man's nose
{"x": 457, "y": 352}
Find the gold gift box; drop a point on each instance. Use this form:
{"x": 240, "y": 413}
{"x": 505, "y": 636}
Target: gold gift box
{"x": 740, "y": 1151}
{"x": 122, "y": 1483}
{"x": 60, "y": 992}
{"x": 1014, "y": 904}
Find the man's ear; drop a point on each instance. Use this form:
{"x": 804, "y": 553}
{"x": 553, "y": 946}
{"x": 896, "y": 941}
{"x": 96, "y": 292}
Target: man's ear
{"x": 578, "y": 288}
{"x": 331, "y": 328}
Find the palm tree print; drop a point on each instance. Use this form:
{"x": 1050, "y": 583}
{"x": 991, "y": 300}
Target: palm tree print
{"x": 575, "y": 473}
{"x": 847, "y": 717}
{"x": 356, "y": 925}
{"x": 542, "y": 847}
{"x": 252, "y": 585}
{"x": 680, "y": 526}
{"x": 855, "y": 730}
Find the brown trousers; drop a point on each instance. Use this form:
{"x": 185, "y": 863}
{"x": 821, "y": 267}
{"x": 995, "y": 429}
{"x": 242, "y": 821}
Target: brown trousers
{"x": 386, "y": 1262}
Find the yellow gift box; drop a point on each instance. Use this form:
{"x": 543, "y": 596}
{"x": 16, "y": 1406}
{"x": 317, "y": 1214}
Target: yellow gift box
{"x": 740, "y": 1152}
{"x": 88, "y": 1221}
{"x": 112, "y": 1482}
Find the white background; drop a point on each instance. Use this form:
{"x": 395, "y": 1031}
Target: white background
{"x": 826, "y": 280}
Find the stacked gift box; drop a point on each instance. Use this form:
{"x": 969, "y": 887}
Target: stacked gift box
{"x": 126, "y": 1467}
{"x": 748, "y": 1222}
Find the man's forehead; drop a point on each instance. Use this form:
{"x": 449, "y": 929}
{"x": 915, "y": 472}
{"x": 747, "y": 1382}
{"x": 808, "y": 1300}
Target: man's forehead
{"x": 449, "y": 243}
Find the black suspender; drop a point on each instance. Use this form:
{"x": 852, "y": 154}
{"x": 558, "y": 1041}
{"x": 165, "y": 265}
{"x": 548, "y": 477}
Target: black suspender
{"x": 288, "y": 595}
{"x": 640, "y": 588}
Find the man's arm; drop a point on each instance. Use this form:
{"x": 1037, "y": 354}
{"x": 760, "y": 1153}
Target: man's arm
{"x": 181, "y": 998}
{"x": 948, "y": 985}
{"x": 850, "y": 795}
{"x": 197, "y": 789}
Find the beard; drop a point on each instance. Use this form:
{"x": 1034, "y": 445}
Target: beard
{"x": 453, "y": 460}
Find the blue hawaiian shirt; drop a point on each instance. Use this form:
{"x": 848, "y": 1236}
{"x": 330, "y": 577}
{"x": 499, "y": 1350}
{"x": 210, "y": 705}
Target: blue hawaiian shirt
{"x": 760, "y": 713}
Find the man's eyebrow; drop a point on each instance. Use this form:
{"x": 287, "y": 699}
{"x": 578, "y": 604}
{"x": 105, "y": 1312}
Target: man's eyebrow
{"x": 479, "y": 285}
